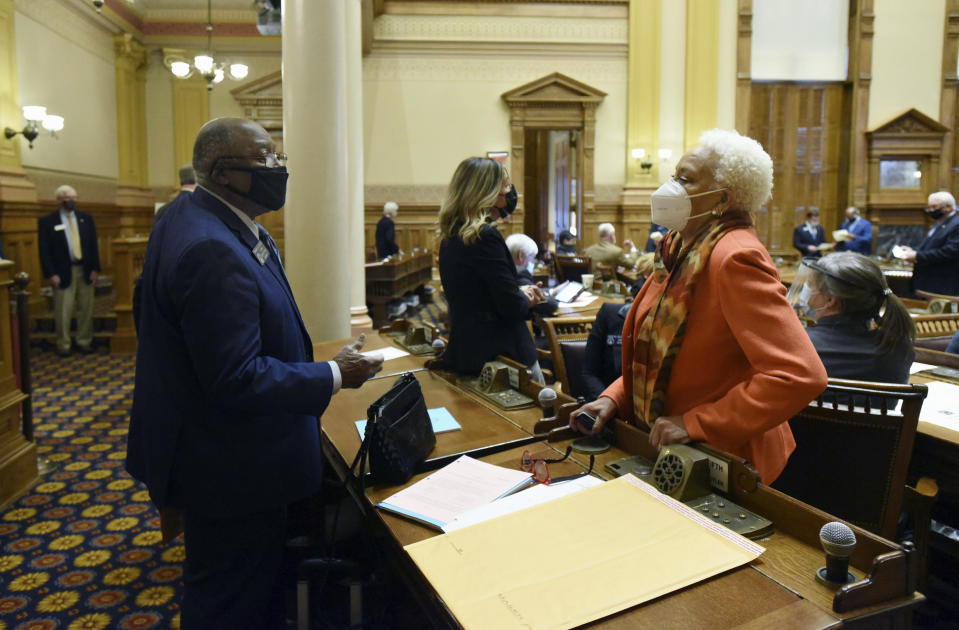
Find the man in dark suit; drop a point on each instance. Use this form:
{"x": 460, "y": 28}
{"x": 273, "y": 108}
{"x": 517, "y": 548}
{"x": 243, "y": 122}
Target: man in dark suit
{"x": 860, "y": 233}
{"x": 224, "y": 422}
{"x": 187, "y": 186}
{"x": 809, "y": 236}
{"x": 70, "y": 259}
{"x": 567, "y": 244}
{"x": 937, "y": 258}
{"x": 386, "y": 232}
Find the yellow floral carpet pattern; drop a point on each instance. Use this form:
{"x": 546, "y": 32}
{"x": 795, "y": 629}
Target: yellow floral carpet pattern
{"x": 82, "y": 550}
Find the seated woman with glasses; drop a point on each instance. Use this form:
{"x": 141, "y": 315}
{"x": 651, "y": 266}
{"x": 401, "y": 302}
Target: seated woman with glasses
{"x": 487, "y": 305}
{"x": 712, "y": 351}
{"x": 863, "y": 331}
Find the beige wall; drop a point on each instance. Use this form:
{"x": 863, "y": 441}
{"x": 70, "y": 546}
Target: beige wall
{"x": 159, "y": 99}
{"x": 74, "y": 80}
{"x": 426, "y": 107}
{"x": 906, "y": 59}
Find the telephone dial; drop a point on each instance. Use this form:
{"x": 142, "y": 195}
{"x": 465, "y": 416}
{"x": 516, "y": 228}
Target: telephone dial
{"x": 498, "y": 383}
{"x": 683, "y": 473}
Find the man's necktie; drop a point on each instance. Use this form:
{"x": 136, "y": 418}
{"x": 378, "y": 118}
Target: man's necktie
{"x": 75, "y": 238}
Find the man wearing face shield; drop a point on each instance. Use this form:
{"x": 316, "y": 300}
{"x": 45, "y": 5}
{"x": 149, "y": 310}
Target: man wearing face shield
{"x": 712, "y": 350}
{"x": 936, "y": 259}
{"x": 223, "y": 429}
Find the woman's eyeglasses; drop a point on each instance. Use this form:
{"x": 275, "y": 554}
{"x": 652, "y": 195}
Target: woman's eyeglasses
{"x": 539, "y": 467}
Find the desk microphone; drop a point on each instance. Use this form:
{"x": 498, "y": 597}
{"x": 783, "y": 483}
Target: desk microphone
{"x": 438, "y": 346}
{"x": 838, "y": 541}
{"x": 547, "y": 400}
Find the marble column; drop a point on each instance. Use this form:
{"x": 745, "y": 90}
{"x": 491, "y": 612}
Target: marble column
{"x": 321, "y": 255}
{"x": 14, "y": 185}
{"x": 359, "y": 315}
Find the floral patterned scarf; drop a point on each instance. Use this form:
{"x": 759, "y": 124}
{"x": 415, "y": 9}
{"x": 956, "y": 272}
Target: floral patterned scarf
{"x": 662, "y": 331}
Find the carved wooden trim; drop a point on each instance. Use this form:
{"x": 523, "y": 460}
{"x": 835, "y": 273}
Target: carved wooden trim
{"x": 861, "y": 29}
{"x": 948, "y": 111}
{"x": 262, "y": 101}
{"x": 555, "y": 101}
{"x": 744, "y": 43}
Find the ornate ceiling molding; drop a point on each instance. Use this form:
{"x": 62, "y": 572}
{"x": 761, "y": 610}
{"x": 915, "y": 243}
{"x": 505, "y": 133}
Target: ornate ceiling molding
{"x": 493, "y": 29}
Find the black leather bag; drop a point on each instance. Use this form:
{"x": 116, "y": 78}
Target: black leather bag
{"x": 399, "y": 435}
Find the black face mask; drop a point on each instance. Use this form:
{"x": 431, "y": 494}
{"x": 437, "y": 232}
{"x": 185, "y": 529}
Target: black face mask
{"x": 267, "y": 187}
{"x": 511, "y": 199}
{"x": 935, "y": 214}
{"x": 69, "y": 205}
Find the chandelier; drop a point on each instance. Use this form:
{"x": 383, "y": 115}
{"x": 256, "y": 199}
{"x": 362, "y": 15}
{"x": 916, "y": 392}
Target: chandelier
{"x": 205, "y": 64}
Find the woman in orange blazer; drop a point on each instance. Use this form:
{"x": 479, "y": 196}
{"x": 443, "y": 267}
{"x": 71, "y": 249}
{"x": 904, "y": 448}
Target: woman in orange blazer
{"x": 712, "y": 351}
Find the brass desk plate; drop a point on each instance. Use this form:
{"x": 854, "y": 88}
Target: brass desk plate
{"x": 415, "y": 340}
{"x": 711, "y": 505}
{"x": 497, "y": 383}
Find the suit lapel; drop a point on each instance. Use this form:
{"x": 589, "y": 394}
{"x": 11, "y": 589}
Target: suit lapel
{"x": 242, "y": 232}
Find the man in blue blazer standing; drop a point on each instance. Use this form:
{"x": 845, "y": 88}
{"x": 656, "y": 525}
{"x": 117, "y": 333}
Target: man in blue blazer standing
{"x": 937, "y": 258}
{"x": 70, "y": 259}
{"x": 860, "y": 230}
{"x": 224, "y": 422}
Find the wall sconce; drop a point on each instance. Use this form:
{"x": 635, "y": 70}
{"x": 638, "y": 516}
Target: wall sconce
{"x": 37, "y": 117}
{"x": 644, "y": 162}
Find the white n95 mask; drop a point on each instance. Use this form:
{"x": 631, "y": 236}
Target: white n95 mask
{"x": 671, "y": 205}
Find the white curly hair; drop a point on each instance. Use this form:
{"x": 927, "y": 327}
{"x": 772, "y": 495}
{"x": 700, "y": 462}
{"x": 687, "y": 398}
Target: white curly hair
{"x": 741, "y": 165}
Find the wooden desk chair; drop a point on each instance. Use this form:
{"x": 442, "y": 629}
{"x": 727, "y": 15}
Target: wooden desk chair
{"x": 606, "y": 272}
{"x": 567, "y": 343}
{"x": 936, "y": 357}
{"x": 853, "y": 446}
{"x": 571, "y": 267}
{"x": 942, "y": 326}
{"x": 545, "y": 357}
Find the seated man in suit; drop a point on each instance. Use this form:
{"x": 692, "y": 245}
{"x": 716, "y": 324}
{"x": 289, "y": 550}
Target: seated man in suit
{"x": 224, "y": 428}
{"x": 937, "y": 258}
{"x": 606, "y": 252}
{"x": 523, "y": 250}
{"x": 567, "y": 244}
{"x": 860, "y": 231}
{"x": 809, "y": 236}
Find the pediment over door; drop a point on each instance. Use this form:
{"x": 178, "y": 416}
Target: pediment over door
{"x": 910, "y": 122}
{"x": 262, "y": 101}
{"x": 554, "y": 88}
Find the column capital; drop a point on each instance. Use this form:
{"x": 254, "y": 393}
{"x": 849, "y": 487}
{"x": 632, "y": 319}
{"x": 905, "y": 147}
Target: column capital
{"x": 130, "y": 51}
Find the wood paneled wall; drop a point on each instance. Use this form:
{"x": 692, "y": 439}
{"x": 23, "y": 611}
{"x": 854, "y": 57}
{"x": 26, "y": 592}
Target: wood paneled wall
{"x": 18, "y": 229}
{"x": 416, "y": 225}
{"x": 801, "y": 127}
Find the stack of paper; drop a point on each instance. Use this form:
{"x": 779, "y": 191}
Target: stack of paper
{"x": 465, "y": 484}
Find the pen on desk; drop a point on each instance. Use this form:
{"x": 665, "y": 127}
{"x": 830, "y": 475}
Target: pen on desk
{"x": 374, "y": 378}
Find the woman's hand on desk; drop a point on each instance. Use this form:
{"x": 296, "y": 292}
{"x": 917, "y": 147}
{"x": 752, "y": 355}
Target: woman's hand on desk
{"x": 668, "y": 430}
{"x": 603, "y": 409}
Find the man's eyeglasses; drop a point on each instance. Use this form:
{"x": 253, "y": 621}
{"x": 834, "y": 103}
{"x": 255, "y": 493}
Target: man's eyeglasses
{"x": 268, "y": 160}
{"x": 540, "y": 467}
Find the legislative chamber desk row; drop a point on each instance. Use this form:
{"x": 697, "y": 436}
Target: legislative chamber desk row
{"x": 777, "y": 590}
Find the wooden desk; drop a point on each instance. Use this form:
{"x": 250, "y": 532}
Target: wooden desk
{"x": 387, "y": 281}
{"x": 777, "y": 590}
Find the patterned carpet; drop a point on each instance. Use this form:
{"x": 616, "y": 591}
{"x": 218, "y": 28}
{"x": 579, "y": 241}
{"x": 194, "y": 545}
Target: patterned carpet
{"x": 82, "y": 550}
